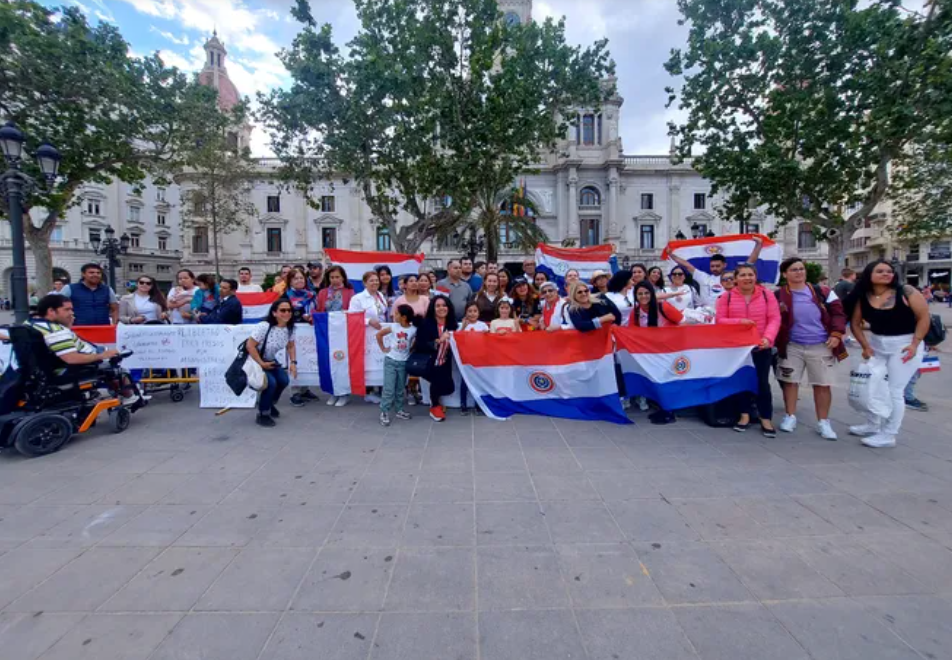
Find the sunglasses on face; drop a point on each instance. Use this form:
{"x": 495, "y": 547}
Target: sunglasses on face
{"x": 284, "y": 310}
{"x": 145, "y": 282}
{"x": 677, "y": 274}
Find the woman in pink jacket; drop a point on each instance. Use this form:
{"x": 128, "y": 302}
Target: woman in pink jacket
{"x": 748, "y": 303}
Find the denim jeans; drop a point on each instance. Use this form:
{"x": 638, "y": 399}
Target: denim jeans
{"x": 277, "y": 381}
{"x": 910, "y": 392}
{"x": 762, "y": 402}
{"x": 394, "y": 385}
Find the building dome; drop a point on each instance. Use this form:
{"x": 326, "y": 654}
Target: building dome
{"x": 214, "y": 74}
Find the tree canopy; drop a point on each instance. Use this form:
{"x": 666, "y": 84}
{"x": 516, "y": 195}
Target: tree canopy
{"x": 802, "y": 105}
{"x": 922, "y": 195}
{"x": 432, "y": 95}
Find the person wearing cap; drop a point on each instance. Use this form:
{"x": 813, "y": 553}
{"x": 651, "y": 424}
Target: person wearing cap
{"x": 315, "y": 276}
{"x": 552, "y": 306}
{"x": 600, "y": 282}
{"x": 525, "y": 306}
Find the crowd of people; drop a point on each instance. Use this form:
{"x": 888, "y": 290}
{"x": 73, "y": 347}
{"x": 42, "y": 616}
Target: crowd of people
{"x": 803, "y": 327}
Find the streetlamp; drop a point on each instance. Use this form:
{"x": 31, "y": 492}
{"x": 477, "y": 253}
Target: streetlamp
{"x": 111, "y": 248}
{"x": 710, "y": 233}
{"x": 15, "y": 186}
{"x": 470, "y": 245}
{"x": 626, "y": 263}
{"x": 680, "y": 235}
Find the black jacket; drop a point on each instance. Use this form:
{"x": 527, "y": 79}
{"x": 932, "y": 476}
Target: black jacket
{"x": 226, "y": 312}
{"x": 584, "y": 319}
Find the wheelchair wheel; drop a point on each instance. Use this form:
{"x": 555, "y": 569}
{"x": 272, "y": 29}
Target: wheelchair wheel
{"x": 119, "y": 419}
{"x": 177, "y": 396}
{"x": 42, "y": 434}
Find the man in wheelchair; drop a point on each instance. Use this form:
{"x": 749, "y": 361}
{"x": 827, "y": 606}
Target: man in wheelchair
{"x": 62, "y": 383}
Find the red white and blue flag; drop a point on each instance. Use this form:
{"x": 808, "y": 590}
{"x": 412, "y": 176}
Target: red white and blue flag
{"x": 735, "y": 248}
{"x": 563, "y": 374}
{"x": 340, "y": 340}
{"x": 555, "y": 262}
{"x": 356, "y": 263}
{"x": 686, "y": 366}
{"x": 255, "y": 306}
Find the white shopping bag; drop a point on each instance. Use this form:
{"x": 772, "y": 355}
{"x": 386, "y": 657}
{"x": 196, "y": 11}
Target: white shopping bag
{"x": 869, "y": 388}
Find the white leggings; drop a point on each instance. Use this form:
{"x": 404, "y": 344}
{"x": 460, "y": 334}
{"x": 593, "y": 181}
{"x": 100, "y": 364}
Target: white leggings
{"x": 889, "y": 348}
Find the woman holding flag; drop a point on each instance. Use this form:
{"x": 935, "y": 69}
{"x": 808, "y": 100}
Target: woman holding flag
{"x": 433, "y": 338}
{"x": 376, "y": 311}
{"x": 303, "y": 302}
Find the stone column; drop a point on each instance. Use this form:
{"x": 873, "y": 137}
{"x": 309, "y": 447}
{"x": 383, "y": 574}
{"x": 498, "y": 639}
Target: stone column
{"x": 561, "y": 205}
{"x": 674, "y": 209}
{"x": 613, "y": 231}
{"x": 573, "y": 203}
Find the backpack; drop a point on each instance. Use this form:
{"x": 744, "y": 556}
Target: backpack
{"x": 936, "y": 334}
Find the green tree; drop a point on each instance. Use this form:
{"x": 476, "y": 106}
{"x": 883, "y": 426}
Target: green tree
{"x": 922, "y": 194}
{"x": 110, "y": 115}
{"x": 801, "y": 105}
{"x": 436, "y": 99}
{"x": 490, "y": 219}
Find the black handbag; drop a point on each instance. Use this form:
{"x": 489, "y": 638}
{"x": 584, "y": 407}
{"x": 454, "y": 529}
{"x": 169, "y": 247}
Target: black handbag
{"x": 418, "y": 364}
{"x": 236, "y": 377}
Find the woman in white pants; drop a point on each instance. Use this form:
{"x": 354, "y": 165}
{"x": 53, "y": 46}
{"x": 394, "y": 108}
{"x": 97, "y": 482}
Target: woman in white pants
{"x": 898, "y": 320}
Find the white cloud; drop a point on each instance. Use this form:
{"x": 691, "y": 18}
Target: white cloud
{"x": 179, "y": 41}
{"x": 171, "y": 58}
{"x": 158, "y": 8}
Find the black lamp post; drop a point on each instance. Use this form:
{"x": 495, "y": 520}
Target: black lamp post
{"x": 680, "y": 235}
{"x": 15, "y": 186}
{"x": 111, "y": 248}
{"x": 470, "y": 245}
{"x": 710, "y": 233}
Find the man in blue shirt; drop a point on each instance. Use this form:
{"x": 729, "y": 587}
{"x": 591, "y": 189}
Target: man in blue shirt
{"x": 94, "y": 303}
{"x": 470, "y": 276}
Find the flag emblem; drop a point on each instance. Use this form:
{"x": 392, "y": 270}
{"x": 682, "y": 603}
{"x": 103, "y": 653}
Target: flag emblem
{"x": 339, "y": 355}
{"x": 561, "y": 268}
{"x": 682, "y": 365}
{"x": 541, "y": 382}
{"x": 714, "y": 249}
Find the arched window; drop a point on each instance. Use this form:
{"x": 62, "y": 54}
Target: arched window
{"x": 383, "y": 239}
{"x": 589, "y": 197}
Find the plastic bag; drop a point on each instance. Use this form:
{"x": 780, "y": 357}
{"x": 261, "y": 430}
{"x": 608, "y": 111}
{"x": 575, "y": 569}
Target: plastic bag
{"x": 869, "y": 388}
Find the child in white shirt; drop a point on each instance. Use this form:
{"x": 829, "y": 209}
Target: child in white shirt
{"x": 471, "y": 323}
{"x": 396, "y": 352}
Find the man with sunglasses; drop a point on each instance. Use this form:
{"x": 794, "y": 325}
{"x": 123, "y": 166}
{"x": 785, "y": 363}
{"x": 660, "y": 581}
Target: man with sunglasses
{"x": 710, "y": 283}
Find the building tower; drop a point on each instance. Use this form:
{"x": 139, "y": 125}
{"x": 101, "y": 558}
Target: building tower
{"x": 516, "y": 10}
{"x": 215, "y": 74}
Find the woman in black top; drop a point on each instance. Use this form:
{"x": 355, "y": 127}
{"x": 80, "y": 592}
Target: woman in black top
{"x": 898, "y": 319}
{"x": 433, "y": 338}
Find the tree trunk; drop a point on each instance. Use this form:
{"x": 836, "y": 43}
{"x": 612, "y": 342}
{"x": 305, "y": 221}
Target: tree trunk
{"x": 837, "y": 254}
{"x": 39, "y": 240}
{"x": 215, "y": 243}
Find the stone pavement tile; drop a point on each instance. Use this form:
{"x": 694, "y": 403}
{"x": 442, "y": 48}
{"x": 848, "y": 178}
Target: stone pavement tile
{"x": 433, "y": 524}
{"x": 840, "y": 629}
{"x": 263, "y": 490}
{"x": 433, "y": 580}
{"x": 571, "y": 487}
{"x": 230, "y": 525}
{"x": 602, "y": 458}
{"x": 922, "y": 621}
{"x": 318, "y": 488}
{"x": 698, "y": 454}
{"x": 849, "y": 514}
{"x": 551, "y": 462}
{"x": 136, "y": 461}
{"x": 581, "y": 522}
{"x": 173, "y": 582}
{"x": 853, "y": 479}
{"x": 384, "y": 488}
{"x": 87, "y": 489}
{"x": 27, "y": 636}
{"x": 448, "y": 459}
{"x": 444, "y": 488}
{"x": 499, "y": 460}
{"x": 113, "y": 637}
{"x": 617, "y": 485}
{"x": 651, "y": 520}
{"x": 921, "y": 512}
{"x": 20, "y": 571}
{"x": 368, "y": 525}
{"x": 432, "y": 635}
{"x": 510, "y": 523}
{"x": 645, "y": 456}
{"x": 772, "y": 571}
{"x": 719, "y": 519}
{"x": 540, "y": 439}
{"x": 258, "y": 580}
{"x": 299, "y": 525}
{"x": 690, "y": 573}
{"x": 684, "y": 483}
{"x": 204, "y": 489}
{"x": 145, "y": 489}
{"x": 159, "y": 525}
{"x": 606, "y": 576}
{"x": 784, "y": 516}
{"x": 88, "y": 527}
{"x": 324, "y": 636}
{"x": 86, "y": 583}
{"x": 193, "y": 461}
{"x": 729, "y": 632}
{"x": 240, "y": 462}
{"x": 741, "y": 481}
{"x": 292, "y": 462}
{"x": 925, "y": 559}
{"x": 529, "y": 635}
{"x": 225, "y": 636}
{"x": 346, "y": 580}
{"x": 854, "y": 568}
{"x": 22, "y": 523}
{"x": 796, "y": 481}
{"x": 504, "y": 487}
{"x": 634, "y": 634}
{"x": 352, "y": 460}
{"x": 396, "y": 461}
{"x": 23, "y": 489}
{"x": 517, "y": 578}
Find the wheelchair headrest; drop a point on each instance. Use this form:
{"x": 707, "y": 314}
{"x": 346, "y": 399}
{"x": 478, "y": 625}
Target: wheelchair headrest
{"x": 31, "y": 351}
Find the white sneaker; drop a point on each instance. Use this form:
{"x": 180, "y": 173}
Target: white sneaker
{"x": 825, "y": 429}
{"x": 625, "y": 403}
{"x": 642, "y": 404}
{"x": 863, "y": 430}
{"x": 372, "y": 398}
{"x": 342, "y": 401}
{"x": 789, "y": 424}
{"x": 331, "y": 400}
{"x": 880, "y": 441}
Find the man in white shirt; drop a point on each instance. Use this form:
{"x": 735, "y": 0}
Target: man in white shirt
{"x": 710, "y": 283}
{"x": 244, "y": 281}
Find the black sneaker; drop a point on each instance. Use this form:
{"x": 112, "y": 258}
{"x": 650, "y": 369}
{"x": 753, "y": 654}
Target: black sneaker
{"x": 297, "y": 400}
{"x": 308, "y": 395}
{"x": 464, "y": 412}
{"x": 265, "y": 420}
{"x": 275, "y": 412}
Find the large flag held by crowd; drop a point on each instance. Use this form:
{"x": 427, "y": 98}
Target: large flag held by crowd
{"x": 555, "y": 262}
{"x": 356, "y": 263}
{"x": 735, "y": 248}
{"x": 255, "y": 306}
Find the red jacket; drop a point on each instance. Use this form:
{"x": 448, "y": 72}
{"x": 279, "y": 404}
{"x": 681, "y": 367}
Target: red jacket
{"x": 832, "y": 316}
{"x": 346, "y": 295}
{"x": 762, "y": 309}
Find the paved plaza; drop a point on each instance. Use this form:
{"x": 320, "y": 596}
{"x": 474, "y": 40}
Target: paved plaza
{"x": 193, "y": 536}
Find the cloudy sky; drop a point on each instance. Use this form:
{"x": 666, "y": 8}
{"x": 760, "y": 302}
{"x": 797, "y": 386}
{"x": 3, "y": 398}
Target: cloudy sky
{"x": 640, "y": 32}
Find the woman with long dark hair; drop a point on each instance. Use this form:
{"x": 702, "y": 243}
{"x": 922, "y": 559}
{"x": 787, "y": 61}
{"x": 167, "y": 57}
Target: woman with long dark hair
{"x": 180, "y": 297}
{"x": 898, "y": 318}
{"x": 146, "y": 305}
{"x": 656, "y": 278}
{"x": 525, "y": 303}
{"x": 505, "y": 281}
{"x": 619, "y": 292}
{"x": 303, "y": 303}
{"x": 387, "y": 285}
{"x": 270, "y": 337}
{"x": 650, "y": 312}
{"x": 433, "y": 338}
{"x": 488, "y": 296}
{"x": 336, "y": 294}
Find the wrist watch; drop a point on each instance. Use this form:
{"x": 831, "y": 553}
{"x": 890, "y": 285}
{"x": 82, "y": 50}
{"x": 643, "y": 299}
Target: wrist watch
{"x": 293, "y": 361}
